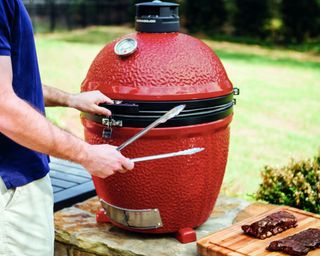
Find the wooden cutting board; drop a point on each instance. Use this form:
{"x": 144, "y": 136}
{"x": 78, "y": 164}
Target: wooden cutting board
{"x": 233, "y": 242}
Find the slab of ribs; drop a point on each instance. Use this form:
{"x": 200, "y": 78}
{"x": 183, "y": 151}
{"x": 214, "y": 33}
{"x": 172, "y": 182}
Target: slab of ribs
{"x": 271, "y": 225}
{"x": 298, "y": 244}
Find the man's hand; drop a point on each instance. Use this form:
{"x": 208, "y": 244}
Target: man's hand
{"x": 105, "y": 160}
{"x": 86, "y": 101}
{"x": 89, "y": 102}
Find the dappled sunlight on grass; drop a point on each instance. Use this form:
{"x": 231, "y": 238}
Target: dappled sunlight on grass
{"x": 276, "y": 118}
{"x": 276, "y": 53}
{"x": 90, "y": 35}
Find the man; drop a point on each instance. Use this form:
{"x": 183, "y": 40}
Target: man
{"x": 26, "y": 218}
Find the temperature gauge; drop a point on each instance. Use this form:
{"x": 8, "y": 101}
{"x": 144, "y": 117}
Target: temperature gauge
{"x": 126, "y": 47}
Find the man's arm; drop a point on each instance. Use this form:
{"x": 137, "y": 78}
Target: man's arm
{"x": 86, "y": 101}
{"x": 23, "y": 124}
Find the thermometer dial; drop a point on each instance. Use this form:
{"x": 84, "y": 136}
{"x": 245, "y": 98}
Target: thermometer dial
{"x": 126, "y": 47}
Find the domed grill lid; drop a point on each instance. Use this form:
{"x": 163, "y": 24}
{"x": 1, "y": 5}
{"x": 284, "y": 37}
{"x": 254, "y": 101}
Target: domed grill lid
{"x": 157, "y": 17}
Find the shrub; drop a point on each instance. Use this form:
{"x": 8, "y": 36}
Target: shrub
{"x": 300, "y": 19}
{"x": 206, "y": 16}
{"x": 297, "y": 185}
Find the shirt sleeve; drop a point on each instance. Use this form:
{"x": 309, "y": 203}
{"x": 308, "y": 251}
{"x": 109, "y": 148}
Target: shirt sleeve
{"x": 6, "y": 11}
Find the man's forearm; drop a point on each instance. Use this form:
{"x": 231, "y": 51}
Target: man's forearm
{"x": 36, "y": 132}
{"x": 54, "y": 97}
{"x": 24, "y": 125}
{"x": 86, "y": 101}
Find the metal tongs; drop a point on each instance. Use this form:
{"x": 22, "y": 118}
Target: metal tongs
{"x": 170, "y": 114}
{"x": 167, "y": 116}
{"x": 190, "y": 151}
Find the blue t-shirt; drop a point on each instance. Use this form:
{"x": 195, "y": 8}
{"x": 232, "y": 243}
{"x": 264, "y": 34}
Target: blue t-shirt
{"x": 19, "y": 165}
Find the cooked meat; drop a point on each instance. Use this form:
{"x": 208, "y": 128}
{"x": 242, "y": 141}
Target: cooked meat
{"x": 271, "y": 225}
{"x": 299, "y": 244}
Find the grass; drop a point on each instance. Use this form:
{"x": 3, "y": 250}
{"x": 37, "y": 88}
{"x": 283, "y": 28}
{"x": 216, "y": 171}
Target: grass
{"x": 311, "y": 46}
{"x": 276, "y": 118}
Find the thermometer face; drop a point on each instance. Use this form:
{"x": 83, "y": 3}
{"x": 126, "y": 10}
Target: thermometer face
{"x": 126, "y": 47}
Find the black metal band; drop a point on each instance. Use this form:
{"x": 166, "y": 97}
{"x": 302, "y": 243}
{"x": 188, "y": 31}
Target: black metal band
{"x": 186, "y": 118}
{"x": 135, "y": 107}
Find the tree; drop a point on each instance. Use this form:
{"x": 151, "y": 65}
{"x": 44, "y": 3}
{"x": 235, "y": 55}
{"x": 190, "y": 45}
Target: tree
{"x": 251, "y": 17}
{"x": 301, "y": 19}
{"x": 207, "y": 16}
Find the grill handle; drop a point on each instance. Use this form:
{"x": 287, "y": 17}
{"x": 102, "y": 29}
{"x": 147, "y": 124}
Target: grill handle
{"x": 122, "y": 108}
{"x": 133, "y": 218}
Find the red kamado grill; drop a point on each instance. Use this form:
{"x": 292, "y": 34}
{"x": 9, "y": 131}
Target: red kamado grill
{"x": 148, "y": 73}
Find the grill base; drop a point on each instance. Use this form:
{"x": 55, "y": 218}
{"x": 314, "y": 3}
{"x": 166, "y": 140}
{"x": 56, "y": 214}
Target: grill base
{"x": 184, "y": 188}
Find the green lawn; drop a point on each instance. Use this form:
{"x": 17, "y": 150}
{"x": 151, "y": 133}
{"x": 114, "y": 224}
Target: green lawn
{"x": 277, "y": 115}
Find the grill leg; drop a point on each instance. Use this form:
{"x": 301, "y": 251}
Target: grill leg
{"x": 186, "y": 235}
{"x": 101, "y": 216}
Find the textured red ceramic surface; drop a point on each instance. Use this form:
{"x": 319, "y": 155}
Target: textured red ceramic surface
{"x": 167, "y": 66}
{"x": 184, "y": 188}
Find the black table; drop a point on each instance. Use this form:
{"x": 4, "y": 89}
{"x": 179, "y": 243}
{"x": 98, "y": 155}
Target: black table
{"x": 71, "y": 183}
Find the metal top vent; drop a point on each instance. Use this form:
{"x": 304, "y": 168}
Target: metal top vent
{"x": 157, "y": 17}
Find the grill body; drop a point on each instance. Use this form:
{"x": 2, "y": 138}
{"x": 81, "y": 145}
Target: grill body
{"x": 168, "y": 68}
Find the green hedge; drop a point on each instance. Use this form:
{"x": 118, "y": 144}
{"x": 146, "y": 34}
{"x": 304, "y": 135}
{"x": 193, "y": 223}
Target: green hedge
{"x": 279, "y": 21}
{"x": 297, "y": 185}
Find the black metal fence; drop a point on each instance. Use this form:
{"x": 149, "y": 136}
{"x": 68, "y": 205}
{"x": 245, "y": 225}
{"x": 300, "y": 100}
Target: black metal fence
{"x": 50, "y": 15}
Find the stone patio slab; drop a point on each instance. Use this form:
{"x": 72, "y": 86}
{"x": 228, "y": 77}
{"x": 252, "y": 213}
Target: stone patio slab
{"x": 78, "y": 234}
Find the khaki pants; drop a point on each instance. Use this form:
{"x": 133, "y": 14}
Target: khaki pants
{"x": 26, "y": 219}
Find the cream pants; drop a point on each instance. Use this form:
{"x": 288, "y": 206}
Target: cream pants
{"x": 26, "y": 219}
